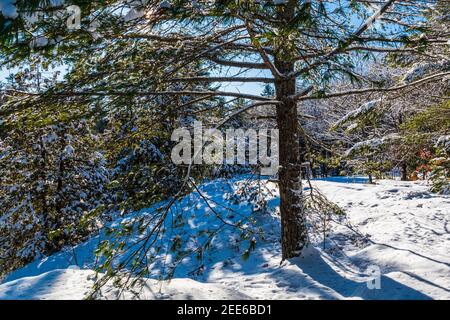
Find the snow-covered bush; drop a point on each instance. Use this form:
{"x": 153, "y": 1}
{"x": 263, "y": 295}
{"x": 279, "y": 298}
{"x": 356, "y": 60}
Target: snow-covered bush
{"x": 52, "y": 181}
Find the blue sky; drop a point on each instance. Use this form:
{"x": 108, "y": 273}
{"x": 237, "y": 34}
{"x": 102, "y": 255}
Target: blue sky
{"x": 252, "y": 88}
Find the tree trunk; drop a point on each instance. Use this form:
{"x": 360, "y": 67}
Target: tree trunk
{"x": 404, "y": 172}
{"x": 313, "y": 171}
{"x": 293, "y": 226}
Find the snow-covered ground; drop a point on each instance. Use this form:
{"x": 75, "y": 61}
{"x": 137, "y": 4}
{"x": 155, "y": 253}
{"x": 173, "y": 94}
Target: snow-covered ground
{"x": 398, "y": 227}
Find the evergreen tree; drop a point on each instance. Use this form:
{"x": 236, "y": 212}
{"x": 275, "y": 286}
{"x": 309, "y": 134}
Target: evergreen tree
{"x": 303, "y": 46}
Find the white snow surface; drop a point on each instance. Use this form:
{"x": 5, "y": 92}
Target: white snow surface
{"x": 399, "y": 227}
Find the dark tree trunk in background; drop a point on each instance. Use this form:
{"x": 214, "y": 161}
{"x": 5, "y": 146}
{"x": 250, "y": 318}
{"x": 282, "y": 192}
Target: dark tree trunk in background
{"x": 293, "y": 227}
{"x": 313, "y": 171}
{"x": 404, "y": 172}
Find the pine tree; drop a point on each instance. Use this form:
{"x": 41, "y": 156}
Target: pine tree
{"x": 303, "y": 45}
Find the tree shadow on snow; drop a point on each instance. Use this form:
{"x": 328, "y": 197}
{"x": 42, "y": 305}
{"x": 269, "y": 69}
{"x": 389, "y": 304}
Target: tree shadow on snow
{"x": 339, "y": 179}
{"x": 313, "y": 264}
{"x": 312, "y": 275}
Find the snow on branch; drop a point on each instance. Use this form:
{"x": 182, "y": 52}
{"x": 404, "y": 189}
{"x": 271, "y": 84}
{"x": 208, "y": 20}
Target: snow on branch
{"x": 355, "y": 114}
{"x": 372, "y": 144}
{"x": 443, "y": 142}
{"x": 418, "y": 70}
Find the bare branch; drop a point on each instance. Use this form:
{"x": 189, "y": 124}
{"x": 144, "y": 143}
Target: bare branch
{"x": 276, "y": 73}
{"x": 369, "y": 90}
{"x": 222, "y": 79}
{"x": 344, "y": 45}
{"x": 238, "y": 64}
{"x": 150, "y": 93}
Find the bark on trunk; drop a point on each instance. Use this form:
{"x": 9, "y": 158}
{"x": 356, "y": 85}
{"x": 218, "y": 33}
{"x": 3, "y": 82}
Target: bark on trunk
{"x": 293, "y": 226}
{"x": 404, "y": 172}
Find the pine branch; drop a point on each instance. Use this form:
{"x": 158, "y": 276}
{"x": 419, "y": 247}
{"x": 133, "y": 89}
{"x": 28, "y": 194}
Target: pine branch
{"x": 370, "y": 90}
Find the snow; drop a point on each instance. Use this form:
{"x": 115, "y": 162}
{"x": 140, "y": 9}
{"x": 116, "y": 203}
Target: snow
{"x": 420, "y": 69}
{"x": 443, "y": 142}
{"x": 75, "y": 284}
{"x": 165, "y": 5}
{"x": 69, "y": 151}
{"x": 399, "y": 227}
{"x": 40, "y": 42}
{"x": 362, "y": 110}
{"x": 8, "y": 9}
{"x": 49, "y": 138}
{"x": 133, "y": 14}
{"x": 371, "y": 144}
